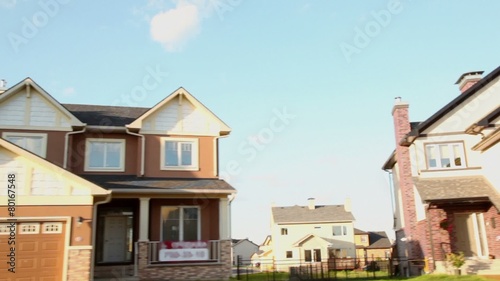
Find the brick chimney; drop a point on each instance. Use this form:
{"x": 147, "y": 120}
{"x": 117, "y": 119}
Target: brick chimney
{"x": 401, "y": 128}
{"x": 467, "y": 80}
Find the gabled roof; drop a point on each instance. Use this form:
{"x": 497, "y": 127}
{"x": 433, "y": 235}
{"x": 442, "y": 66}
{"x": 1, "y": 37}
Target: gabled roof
{"x": 94, "y": 189}
{"x": 132, "y": 183}
{"x": 239, "y": 241}
{"x": 225, "y": 129}
{"x": 28, "y": 82}
{"x": 302, "y": 214}
{"x": 359, "y": 231}
{"x": 99, "y": 115}
{"x": 468, "y": 188}
{"x": 378, "y": 240}
{"x": 409, "y": 138}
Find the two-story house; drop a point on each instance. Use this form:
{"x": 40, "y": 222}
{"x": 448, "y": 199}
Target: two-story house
{"x": 372, "y": 245}
{"x": 312, "y": 233}
{"x": 112, "y": 192}
{"x": 446, "y": 178}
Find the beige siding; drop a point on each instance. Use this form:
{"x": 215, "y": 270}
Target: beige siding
{"x": 12, "y": 111}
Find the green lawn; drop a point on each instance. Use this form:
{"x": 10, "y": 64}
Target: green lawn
{"x": 361, "y": 277}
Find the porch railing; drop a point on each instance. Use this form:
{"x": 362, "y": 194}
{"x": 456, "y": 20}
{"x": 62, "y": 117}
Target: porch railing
{"x": 213, "y": 247}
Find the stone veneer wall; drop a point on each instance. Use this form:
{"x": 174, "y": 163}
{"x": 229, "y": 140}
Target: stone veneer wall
{"x": 215, "y": 271}
{"x": 79, "y": 264}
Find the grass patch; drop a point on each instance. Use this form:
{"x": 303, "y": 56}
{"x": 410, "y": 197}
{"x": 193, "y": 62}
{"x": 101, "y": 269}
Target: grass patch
{"x": 361, "y": 276}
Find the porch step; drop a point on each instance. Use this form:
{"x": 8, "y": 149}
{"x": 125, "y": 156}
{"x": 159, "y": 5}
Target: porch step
{"x": 483, "y": 267}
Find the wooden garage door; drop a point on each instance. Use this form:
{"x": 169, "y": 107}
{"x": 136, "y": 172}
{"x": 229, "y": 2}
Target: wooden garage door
{"x": 39, "y": 251}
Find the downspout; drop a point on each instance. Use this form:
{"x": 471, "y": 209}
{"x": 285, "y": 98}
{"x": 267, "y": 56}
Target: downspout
{"x": 143, "y": 148}
{"x": 66, "y": 143}
{"x": 94, "y": 231}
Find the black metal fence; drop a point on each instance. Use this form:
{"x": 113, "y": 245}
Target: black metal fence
{"x": 331, "y": 269}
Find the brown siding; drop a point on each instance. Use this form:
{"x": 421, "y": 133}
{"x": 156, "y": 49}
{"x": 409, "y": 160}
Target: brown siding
{"x": 55, "y": 143}
{"x": 77, "y": 152}
{"x": 206, "y": 158}
{"x": 209, "y": 212}
{"x": 83, "y": 231}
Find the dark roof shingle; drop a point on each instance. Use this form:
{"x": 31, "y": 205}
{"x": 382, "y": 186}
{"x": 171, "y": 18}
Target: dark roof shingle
{"x": 302, "y": 214}
{"x": 100, "y": 115}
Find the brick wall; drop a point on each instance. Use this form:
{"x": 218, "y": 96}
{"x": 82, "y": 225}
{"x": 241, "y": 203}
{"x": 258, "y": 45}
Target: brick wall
{"x": 215, "y": 271}
{"x": 79, "y": 264}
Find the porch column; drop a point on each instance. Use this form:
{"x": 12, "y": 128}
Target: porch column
{"x": 144, "y": 219}
{"x": 224, "y": 223}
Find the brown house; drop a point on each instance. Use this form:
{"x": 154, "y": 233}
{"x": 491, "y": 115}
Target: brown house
{"x": 112, "y": 192}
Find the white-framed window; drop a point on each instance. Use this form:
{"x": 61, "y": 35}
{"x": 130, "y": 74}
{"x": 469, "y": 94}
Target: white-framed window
{"x": 179, "y": 154}
{"x": 339, "y": 230}
{"x": 180, "y": 223}
{"x": 289, "y": 254}
{"x": 33, "y": 142}
{"x": 105, "y": 155}
{"x": 284, "y": 231}
{"x": 445, "y": 155}
{"x": 4, "y": 228}
{"x": 52, "y": 227}
{"x": 29, "y": 228}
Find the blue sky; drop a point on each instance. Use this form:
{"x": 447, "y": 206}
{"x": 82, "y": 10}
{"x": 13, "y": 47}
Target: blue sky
{"x": 307, "y": 86}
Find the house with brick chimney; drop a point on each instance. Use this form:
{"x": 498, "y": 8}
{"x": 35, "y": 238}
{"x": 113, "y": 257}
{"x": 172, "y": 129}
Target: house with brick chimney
{"x": 446, "y": 182}
{"x": 94, "y": 192}
{"x": 311, "y": 234}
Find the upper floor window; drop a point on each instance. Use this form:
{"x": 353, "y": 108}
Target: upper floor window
{"x": 180, "y": 223}
{"x": 36, "y": 143}
{"x": 105, "y": 155}
{"x": 339, "y": 230}
{"x": 179, "y": 154}
{"x": 445, "y": 155}
{"x": 284, "y": 231}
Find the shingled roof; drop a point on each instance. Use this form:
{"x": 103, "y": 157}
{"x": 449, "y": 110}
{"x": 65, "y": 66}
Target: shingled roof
{"x": 378, "y": 240}
{"x": 475, "y": 188}
{"x": 100, "y": 115}
{"x": 302, "y": 214}
{"x": 162, "y": 185}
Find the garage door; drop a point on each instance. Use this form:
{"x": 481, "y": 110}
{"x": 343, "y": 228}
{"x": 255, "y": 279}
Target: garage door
{"x": 39, "y": 251}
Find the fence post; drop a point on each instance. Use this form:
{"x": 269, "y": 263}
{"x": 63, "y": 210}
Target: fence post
{"x": 238, "y": 262}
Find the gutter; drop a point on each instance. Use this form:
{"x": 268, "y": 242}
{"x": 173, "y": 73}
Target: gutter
{"x": 166, "y": 191}
{"x": 143, "y": 148}
{"x": 94, "y": 232}
{"x": 66, "y": 143}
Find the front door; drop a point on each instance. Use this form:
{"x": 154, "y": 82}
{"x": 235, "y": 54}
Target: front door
{"x": 115, "y": 239}
{"x": 471, "y": 239}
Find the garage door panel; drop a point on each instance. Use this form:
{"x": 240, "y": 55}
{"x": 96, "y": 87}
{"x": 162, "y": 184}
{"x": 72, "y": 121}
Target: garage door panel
{"x": 39, "y": 252}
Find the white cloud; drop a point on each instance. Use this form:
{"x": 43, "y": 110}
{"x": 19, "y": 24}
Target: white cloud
{"x": 175, "y": 26}
{"x": 69, "y": 92}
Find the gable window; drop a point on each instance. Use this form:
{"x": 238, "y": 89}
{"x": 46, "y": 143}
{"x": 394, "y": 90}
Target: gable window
{"x": 445, "y": 155}
{"x": 105, "y": 155}
{"x": 284, "y": 231}
{"x": 35, "y": 143}
{"x": 179, "y": 154}
{"x": 289, "y": 254}
{"x": 339, "y": 230}
{"x": 180, "y": 223}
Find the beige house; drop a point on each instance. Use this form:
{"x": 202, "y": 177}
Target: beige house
{"x": 112, "y": 192}
{"x": 371, "y": 245}
{"x": 446, "y": 180}
{"x": 311, "y": 234}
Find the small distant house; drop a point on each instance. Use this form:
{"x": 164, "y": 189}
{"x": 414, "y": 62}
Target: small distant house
{"x": 263, "y": 258}
{"x": 243, "y": 248}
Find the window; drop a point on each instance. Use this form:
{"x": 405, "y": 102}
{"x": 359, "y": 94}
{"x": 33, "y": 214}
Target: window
{"x": 180, "y": 223}
{"x": 307, "y": 255}
{"x": 339, "y": 230}
{"x": 52, "y": 227}
{"x": 337, "y": 253}
{"x": 179, "y": 154}
{"x": 35, "y": 143}
{"x": 445, "y": 155}
{"x": 317, "y": 255}
{"x": 29, "y": 228}
{"x": 364, "y": 239}
{"x": 289, "y": 254}
{"x": 105, "y": 155}
{"x": 284, "y": 231}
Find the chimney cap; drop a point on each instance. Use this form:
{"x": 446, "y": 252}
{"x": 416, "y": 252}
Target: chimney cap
{"x": 471, "y": 73}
